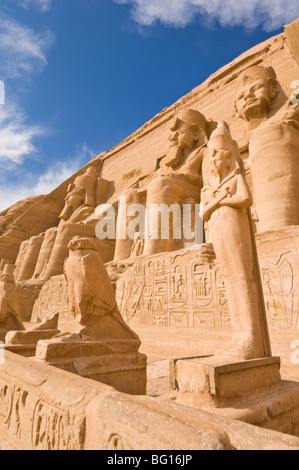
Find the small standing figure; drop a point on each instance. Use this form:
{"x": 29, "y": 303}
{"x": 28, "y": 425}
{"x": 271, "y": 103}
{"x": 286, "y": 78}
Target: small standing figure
{"x": 225, "y": 200}
{"x": 10, "y": 311}
{"x": 138, "y": 245}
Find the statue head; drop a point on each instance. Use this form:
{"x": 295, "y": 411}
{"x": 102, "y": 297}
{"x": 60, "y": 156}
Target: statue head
{"x": 257, "y": 87}
{"x": 188, "y": 126}
{"x": 80, "y": 243}
{"x": 92, "y": 170}
{"x": 219, "y": 164}
{"x": 220, "y": 148}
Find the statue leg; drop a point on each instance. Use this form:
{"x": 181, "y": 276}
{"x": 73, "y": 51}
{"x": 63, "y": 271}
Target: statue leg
{"x": 124, "y": 246}
{"x": 233, "y": 247}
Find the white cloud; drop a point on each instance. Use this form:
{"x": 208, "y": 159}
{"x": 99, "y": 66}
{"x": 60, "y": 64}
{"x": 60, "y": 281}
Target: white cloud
{"x": 55, "y": 174}
{"x": 42, "y": 5}
{"x": 271, "y": 14}
{"x": 16, "y": 137}
{"x": 22, "y": 50}
{"x": 60, "y": 171}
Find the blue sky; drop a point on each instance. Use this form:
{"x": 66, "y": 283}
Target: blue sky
{"x": 82, "y": 75}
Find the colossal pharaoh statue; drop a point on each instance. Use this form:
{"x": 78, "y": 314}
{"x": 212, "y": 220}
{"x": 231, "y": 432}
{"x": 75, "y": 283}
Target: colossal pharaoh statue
{"x": 80, "y": 202}
{"x": 177, "y": 181}
{"x": 225, "y": 198}
{"x": 81, "y": 197}
{"x": 273, "y": 147}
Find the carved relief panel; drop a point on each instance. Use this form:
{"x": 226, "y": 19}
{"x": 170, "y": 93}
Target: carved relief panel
{"x": 174, "y": 291}
{"x": 36, "y": 424}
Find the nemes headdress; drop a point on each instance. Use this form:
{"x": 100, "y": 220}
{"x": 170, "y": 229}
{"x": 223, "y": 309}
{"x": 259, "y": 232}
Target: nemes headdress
{"x": 257, "y": 72}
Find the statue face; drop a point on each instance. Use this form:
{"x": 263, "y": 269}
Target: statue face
{"x": 219, "y": 162}
{"x": 184, "y": 136}
{"x": 75, "y": 199}
{"x": 254, "y": 99}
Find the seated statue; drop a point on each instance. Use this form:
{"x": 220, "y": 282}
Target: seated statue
{"x": 87, "y": 191}
{"x": 273, "y": 148}
{"x": 178, "y": 179}
{"x": 176, "y": 182}
{"x": 80, "y": 201}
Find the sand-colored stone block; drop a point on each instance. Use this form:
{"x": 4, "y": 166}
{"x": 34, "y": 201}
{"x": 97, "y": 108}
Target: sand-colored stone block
{"x": 44, "y": 408}
{"x": 24, "y": 342}
{"x": 212, "y": 382}
{"x": 103, "y": 348}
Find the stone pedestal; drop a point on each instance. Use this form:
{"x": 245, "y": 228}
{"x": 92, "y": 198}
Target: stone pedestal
{"x": 211, "y": 382}
{"x": 111, "y": 361}
{"x": 24, "y": 342}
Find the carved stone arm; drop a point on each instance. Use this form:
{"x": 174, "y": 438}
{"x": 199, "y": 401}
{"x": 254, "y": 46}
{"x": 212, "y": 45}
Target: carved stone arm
{"x": 210, "y": 207}
{"x": 242, "y": 199}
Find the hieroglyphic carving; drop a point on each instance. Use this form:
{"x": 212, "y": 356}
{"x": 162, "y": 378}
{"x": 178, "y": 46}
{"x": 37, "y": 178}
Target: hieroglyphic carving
{"x": 178, "y": 288}
{"x": 55, "y": 429}
{"x": 223, "y": 309}
{"x": 6, "y": 398}
{"x": 278, "y": 279}
{"x": 52, "y": 428}
{"x": 167, "y": 290}
{"x": 28, "y": 295}
{"x": 279, "y": 260}
{"x": 117, "y": 443}
{"x": 202, "y": 285}
{"x": 53, "y": 298}
{"x": 12, "y": 405}
{"x": 16, "y": 417}
{"x": 206, "y": 305}
{"x": 160, "y": 298}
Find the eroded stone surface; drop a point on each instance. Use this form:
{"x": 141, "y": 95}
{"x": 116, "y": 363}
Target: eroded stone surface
{"x": 163, "y": 289}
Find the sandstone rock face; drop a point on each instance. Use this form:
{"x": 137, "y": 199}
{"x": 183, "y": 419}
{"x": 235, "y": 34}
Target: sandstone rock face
{"x": 156, "y": 163}
{"x": 229, "y": 148}
{"x": 93, "y": 416}
{"x": 54, "y": 297}
{"x": 10, "y": 215}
